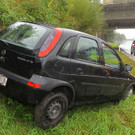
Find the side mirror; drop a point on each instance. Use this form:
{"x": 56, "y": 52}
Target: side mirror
{"x": 127, "y": 67}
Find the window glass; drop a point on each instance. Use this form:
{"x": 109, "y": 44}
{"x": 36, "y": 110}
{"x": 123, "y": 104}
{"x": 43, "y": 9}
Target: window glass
{"x": 87, "y": 49}
{"x": 110, "y": 57}
{"x": 66, "y": 48}
{"x": 22, "y": 34}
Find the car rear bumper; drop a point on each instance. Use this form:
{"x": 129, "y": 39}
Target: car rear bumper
{"x": 23, "y": 93}
{"x": 17, "y": 87}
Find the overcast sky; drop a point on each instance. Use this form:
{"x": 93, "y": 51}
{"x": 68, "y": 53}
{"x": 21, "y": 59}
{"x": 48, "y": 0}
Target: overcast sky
{"x": 129, "y": 33}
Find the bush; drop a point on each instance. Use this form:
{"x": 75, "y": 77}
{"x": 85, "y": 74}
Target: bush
{"x": 88, "y": 15}
{"x": 80, "y": 15}
{"x": 113, "y": 45}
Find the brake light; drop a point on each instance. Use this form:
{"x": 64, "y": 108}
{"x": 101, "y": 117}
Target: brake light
{"x": 50, "y": 42}
{"x": 34, "y": 85}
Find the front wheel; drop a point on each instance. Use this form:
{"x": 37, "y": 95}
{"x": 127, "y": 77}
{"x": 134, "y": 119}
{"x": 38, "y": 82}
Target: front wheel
{"x": 129, "y": 93}
{"x": 51, "y": 110}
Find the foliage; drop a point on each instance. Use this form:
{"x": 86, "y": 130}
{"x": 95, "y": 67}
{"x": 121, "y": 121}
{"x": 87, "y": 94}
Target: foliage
{"x": 119, "y": 38}
{"x": 49, "y": 11}
{"x": 63, "y": 13}
{"x": 113, "y": 36}
{"x": 113, "y": 45}
{"x": 106, "y": 119}
{"x": 88, "y": 15}
{"x": 94, "y": 119}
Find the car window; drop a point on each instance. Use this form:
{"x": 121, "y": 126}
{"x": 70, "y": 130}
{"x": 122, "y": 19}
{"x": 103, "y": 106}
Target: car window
{"x": 87, "y": 49}
{"x": 65, "y": 51}
{"x": 24, "y": 35}
{"x": 110, "y": 57}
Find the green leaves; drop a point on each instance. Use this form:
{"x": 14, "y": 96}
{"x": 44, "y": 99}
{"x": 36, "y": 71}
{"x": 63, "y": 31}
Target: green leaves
{"x": 88, "y": 15}
{"x": 83, "y": 15}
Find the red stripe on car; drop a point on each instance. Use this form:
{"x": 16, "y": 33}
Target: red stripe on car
{"x": 52, "y": 44}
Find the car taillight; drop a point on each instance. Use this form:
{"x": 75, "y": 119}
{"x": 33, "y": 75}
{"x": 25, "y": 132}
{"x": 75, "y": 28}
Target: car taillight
{"x": 34, "y": 85}
{"x": 50, "y": 42}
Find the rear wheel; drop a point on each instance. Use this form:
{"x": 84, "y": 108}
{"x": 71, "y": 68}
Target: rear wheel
{"x": 51, "y": 110}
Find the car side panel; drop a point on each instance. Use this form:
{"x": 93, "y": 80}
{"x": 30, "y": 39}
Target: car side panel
{"x": 17, "y": 87}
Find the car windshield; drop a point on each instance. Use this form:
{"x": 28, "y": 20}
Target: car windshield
{"x": 23, "y": 34}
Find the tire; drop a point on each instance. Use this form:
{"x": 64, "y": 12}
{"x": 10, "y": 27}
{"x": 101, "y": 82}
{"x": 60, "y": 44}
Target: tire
{"x": 129, "y": 93}
{"x": 51, "y": 110}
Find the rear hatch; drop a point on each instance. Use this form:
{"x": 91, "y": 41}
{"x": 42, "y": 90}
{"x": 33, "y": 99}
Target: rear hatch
{"x": 19, "y": 47}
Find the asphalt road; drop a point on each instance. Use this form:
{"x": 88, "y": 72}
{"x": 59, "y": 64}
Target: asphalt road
{"x": 126, "y": 48}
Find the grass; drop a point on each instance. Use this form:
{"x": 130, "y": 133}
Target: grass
{"x": 113, "y": 45}
{"x": 127, "y": 60}
{"x": 99, "y": 119}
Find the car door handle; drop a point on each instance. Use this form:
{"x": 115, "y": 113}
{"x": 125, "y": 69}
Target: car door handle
{"x": 79, "y": 71}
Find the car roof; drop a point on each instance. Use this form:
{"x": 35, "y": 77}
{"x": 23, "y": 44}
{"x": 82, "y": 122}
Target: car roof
{"x": 78, "y": 33}
{"x": 74, "y": 32}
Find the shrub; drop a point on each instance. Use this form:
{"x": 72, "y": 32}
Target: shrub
{"x": 113, "y": 45}
{"x": 81, "y": 15}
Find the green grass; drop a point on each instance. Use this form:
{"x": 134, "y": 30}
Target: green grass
{"x": 113, "y": 45}
{"x": 127, "y": 60}
{"x": 99, "y": 119}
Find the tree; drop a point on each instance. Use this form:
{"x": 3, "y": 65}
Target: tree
{"x": 87, "y": 14}
{"x": 110, "y": 35}
{"x": 119, "y": 38}
{"x": 83, "y": 15}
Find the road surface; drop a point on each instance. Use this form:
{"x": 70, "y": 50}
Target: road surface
{"x": 126, "y": 47}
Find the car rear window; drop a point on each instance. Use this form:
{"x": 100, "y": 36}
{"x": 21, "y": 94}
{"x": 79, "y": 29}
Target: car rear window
{"x": 23, "y": 34}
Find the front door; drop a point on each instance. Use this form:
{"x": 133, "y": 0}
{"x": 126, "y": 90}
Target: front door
{"x": 85, "y": 67}
{"x": 111, "y": 75}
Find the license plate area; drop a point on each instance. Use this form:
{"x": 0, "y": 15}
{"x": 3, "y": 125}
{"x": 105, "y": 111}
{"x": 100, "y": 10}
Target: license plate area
{"x": 3, "y": 80}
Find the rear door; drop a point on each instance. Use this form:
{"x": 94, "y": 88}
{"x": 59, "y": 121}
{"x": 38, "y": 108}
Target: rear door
{"x": 59, "y": 65}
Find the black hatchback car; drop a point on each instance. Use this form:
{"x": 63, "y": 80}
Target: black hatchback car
{"x": 55, "y": 68}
